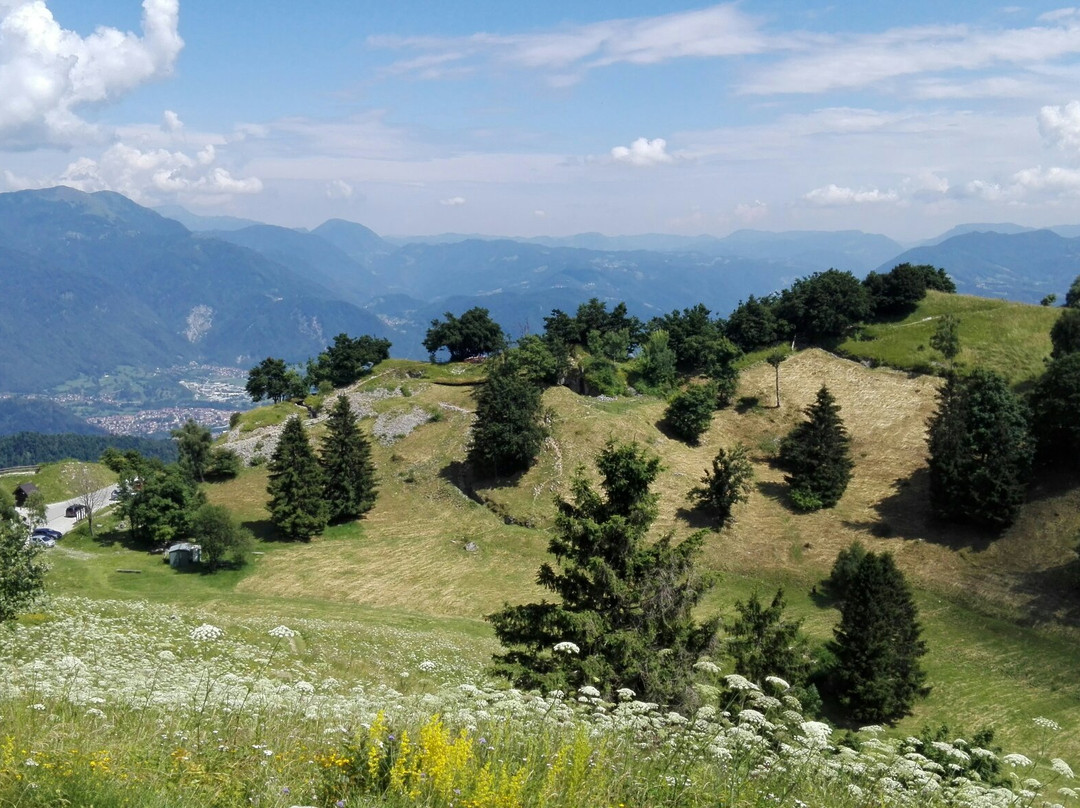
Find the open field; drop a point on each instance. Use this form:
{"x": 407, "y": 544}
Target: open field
{"x": 1010, "y": 338}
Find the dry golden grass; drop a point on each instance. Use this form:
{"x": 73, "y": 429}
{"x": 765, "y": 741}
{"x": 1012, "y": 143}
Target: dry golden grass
{"x": 408, "y": 553}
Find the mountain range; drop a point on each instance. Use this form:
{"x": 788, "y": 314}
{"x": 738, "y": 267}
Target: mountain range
{"x": 94, "y": 281}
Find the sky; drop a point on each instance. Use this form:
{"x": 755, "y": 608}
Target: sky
{"x": 522, "y": 119}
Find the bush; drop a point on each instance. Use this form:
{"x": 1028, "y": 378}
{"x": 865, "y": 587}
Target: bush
{"x": 690, "y": 412}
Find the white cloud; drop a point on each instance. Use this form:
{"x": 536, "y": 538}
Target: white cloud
{"x": 751, "y": 212}
{"x": 1060, "y": 126}
{"x": 540, "y": 214}
{"x": 171, "y": 122}
{"x": 453, "y": 201}
{"x": 149, "y": 176}
{"x": 827, "y": 63}
{"x": 338, "y": 189}
{"x": 721, "y": 30}
{"x": 832, "y": 195}
{"x": 642, "y": 152}
{"x": 48, "y": 72}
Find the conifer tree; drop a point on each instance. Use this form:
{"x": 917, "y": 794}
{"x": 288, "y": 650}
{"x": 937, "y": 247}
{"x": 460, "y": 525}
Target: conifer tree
{"x": 765, "y": 643}
{"x": 346, "y": 463}
{"x": 624, "y": 616}
{"x": 817, "y": 456}
{"x": 877, "y": 646}
{"x": 980, "y": 451}
{"x": 726, "y": 485}
{"x": 509, "y": 430}
{"x": 297, "y": 507}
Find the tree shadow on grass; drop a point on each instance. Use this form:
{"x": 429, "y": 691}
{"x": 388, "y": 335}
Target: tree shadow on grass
{"x": 698, "y": 518}
{"x": 264, "y": 530}
{"x": 905, "y": 514}
{"x": 1054, "y": 593}
{"x": 778, "y": 492}
{"x": 461, "y": 476}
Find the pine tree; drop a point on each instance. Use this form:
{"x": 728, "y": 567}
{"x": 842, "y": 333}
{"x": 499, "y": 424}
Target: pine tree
{"x": 877, "y": 646}
{"x": 348, "y": 470}
{"x": 726, "y": 485}
{"x": 765, "y": 643}
{"x": 297, "y": 507}
{"x": 624, "y": 616}
{"x": 980, "y": 451}
{"x": 509, "y": 430}
{"x": 817, "y": 456}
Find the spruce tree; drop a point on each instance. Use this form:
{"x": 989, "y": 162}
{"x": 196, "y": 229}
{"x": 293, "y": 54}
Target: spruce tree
{"x": 624, "y": 616}
{"x": 509, "y": 430}
{"x": 726, "y": 485}
{"x": 765, "y": 643}
{"x": 980, "y": 451}
{"x": 877, "y": 646}
{"x": 297, "y": 507}
{"x": 348, "y": 470}
{"x": 817, "y": 456}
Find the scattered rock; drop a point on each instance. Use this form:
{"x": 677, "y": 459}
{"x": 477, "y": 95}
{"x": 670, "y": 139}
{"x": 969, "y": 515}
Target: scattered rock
{"x": 472, "y": 547}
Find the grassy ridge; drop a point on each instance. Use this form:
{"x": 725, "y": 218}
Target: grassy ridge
{"x": 1010, "y": 338}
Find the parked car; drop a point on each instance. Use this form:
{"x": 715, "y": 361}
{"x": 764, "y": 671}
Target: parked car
{"x": 42, "y": 541}
{"x": 47, "y": 532}
{"x": 75, "y": 511}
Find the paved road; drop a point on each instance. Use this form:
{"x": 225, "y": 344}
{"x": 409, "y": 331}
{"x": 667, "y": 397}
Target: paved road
{"x": 54, "y": 511}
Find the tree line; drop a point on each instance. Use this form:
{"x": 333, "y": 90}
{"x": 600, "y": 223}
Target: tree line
{"x": 32, "y": 448}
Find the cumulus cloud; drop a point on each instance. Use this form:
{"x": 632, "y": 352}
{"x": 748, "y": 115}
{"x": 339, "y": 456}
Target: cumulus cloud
{"x": 149, "y": 176}
{"x": 1060, "y": 126}
{"x": 338, "y": 189}
{"x": 721, "y": 30}
{"x": 48, "y": 72}
{"x": 751, "y": 212}
{"x": 453, "y": 201}
{"x": 642, "y": 152}
{"x": 834, "y": 195}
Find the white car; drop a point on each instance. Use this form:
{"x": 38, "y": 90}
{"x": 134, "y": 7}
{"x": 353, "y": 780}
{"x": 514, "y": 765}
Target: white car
{"x": 41, "y": 541}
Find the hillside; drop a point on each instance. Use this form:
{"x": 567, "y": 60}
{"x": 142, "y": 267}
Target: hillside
{"x": 408, "y": 556}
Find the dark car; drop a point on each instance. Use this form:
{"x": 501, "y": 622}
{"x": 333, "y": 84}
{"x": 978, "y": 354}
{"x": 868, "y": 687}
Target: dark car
{"x": 48, "y": 533}
{"x": 75, "y": 511}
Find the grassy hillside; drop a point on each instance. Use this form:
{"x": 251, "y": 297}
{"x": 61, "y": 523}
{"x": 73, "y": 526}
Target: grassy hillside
{"x": 999, "y": 612}
{"x": 1011, "y": 338}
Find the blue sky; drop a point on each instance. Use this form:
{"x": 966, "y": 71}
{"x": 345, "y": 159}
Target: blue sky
{"x": 552, "y": 118}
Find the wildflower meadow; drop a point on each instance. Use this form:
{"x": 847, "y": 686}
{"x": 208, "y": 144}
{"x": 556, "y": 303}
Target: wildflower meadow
{"x": 111, "y": 703}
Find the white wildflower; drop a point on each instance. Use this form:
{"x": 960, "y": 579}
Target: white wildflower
{"x": 206, "y": 633}
{"x": 1062, "y": 768}
{"x": 625, "y": 694}
{"x": 589, "y": 691}
{"x": 1016, "y": 759}
{"x": 777, "y": 682}
{"x": 737, "y": 682}
{"x": 282, "y": 632}
{"x": 427, "y": 666}
{"x": 1046, "y": 723}
{"x": 707, "y": 666}
{"x": 567, "y": 647}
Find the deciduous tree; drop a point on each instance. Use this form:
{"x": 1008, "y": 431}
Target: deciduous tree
{"x": 1065, "y": 333}
{"x": 194, "y": 443}
{"x": 1055, "y": 405}
{"x": 690, "y": 412}
{"x": 624, "y": 616}
{"x": 297, "y": 507}
{"x": 946, "y": 336}
{"x": 223, "y": 541}
{"x": 474, "y": 334}
{"x": 269, "y": 379}
{"x": 22, "y": 570}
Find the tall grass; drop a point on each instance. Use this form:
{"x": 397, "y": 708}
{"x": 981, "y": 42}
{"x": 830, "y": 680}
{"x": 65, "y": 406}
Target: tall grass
{"x": 124, "y": 704}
